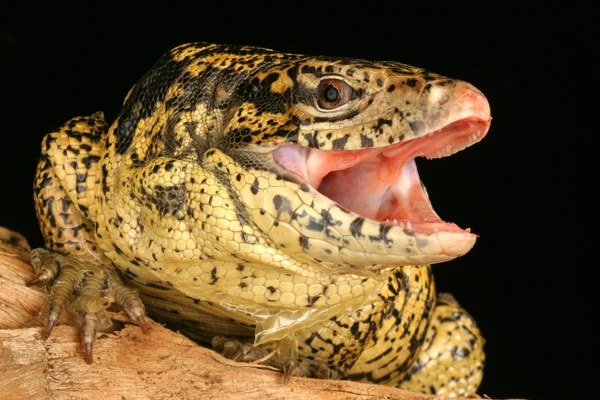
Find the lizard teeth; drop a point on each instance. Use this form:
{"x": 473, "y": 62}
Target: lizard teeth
{"x": 399, "y": 223}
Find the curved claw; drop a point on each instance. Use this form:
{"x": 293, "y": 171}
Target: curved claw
{"x": 289, "y": 368}
{"x": 88, "y": 352}
{"x": 142, "y": 324}
{"x": 52, "y": 320}
{"x": 42, "y": 277}
{"x": 34, "y": 281}
{"x": 242, "y": 352}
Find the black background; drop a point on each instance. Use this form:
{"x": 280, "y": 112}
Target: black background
{"x": 527, "y": 281}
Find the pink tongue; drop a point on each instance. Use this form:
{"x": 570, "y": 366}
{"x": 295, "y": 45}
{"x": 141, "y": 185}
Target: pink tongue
{"x": 380, "y": 188}
{"x": 362, "y": 187}
{"x": 366, "y": 182}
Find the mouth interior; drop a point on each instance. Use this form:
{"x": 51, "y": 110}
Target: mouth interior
{"x": 383, "y": 184}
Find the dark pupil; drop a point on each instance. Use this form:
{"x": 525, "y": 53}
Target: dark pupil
{"x": 331, "y": 94}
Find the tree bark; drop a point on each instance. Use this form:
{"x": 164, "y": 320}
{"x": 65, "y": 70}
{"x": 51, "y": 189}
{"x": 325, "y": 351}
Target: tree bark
{"x": 127, "y": 363}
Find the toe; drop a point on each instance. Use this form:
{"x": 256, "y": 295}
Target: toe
{"x": 129, "y": 300}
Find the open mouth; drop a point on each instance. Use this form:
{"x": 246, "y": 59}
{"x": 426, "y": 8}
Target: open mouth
{"x": 382, "y": 184}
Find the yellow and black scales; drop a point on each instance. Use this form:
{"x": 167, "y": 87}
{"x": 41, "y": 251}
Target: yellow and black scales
{"x": 179, "y": 199}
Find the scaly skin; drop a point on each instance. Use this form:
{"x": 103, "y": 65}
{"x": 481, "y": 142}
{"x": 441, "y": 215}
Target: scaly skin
{"x": 184, "y": 197}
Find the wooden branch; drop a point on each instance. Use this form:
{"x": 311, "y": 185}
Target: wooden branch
{"x": 128, "y": 364}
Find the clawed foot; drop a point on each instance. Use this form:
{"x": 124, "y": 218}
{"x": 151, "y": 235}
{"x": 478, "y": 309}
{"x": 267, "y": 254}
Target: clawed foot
{"x": 87, "y": 290}
{"x": 246, "y": 352}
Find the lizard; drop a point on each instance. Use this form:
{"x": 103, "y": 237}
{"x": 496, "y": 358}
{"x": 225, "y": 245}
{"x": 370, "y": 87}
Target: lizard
{"x": 268, "y": 203}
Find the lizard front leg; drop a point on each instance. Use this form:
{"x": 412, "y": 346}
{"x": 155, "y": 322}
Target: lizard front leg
{"x": 83, "y": 280}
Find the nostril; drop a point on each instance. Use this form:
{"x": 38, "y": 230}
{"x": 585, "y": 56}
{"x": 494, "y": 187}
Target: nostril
{"x": 443, "y": 98}
{"x": 437, "y": 96}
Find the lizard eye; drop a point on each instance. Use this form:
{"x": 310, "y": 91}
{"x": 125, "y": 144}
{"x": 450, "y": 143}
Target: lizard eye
{"x": 333, "y": 93}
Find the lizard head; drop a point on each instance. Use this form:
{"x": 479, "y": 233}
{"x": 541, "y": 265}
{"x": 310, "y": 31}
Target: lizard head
{"x": 342, "y": 136}
{"x": 312, "y": 157}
